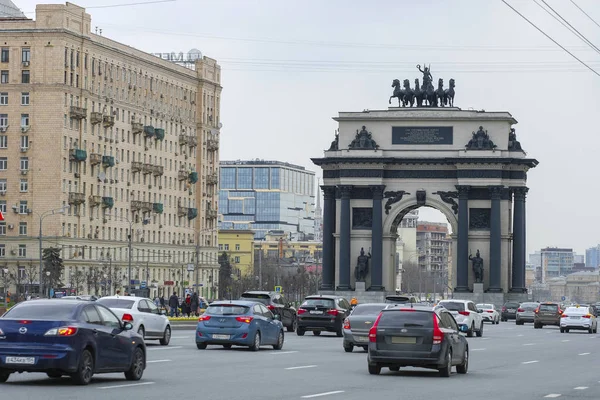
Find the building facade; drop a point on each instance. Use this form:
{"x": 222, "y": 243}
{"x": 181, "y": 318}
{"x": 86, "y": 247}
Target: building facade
{"x": 267, "y": 195}
{"x": 276, "y": 245}
{"x": 127, "y": 141}
{"x": 433, "y": 243}
{"x": 555, "y": 262}
{"x": 406, "y": 245}
{"x": 592, "y": 257}
{"x": 239, "y": 246}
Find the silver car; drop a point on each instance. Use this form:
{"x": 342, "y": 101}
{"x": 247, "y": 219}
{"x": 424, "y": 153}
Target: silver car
{"x": 526, "y": 313}
{"x": 357, "y": 325}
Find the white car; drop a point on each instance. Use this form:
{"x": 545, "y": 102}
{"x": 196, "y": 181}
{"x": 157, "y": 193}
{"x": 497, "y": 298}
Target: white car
{"x": 489, "y": 313}
{"x": 465, "y": 313}
{"x": 143, "y": 314}
{"x": 577, "y": 317}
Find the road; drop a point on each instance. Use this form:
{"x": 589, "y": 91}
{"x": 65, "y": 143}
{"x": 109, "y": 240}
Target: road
{"x": 510, "y": 362}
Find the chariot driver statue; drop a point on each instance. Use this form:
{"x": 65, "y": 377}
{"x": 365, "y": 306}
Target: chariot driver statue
{"x": 427, "y": 78}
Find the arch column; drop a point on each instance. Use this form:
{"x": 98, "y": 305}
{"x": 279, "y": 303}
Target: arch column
{"x": 344, "y": 258}
{"x": 377, "y": 239}
{"x": 519, "y": 241}
{"x": 462, "y": 258}
{"x": 329, "y": 211}
{"x": 495, "y": 241}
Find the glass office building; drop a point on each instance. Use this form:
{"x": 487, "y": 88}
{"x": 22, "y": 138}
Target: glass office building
{"x": 267, "y": 195}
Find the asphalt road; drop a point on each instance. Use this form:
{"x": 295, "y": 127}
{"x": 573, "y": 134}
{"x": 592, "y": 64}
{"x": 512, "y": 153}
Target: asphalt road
{"x": 510, "y": 362}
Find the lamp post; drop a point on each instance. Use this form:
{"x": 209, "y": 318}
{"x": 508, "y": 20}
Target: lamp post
{"x": 105, "y": 283}
{"x": 48, "y": 282}
{"x": 5, "y": 270}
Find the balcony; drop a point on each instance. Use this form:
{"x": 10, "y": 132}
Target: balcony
{"x": 136, "y": 166}
{"x": 108, "y": 161}
{"x": 147, "y": 206}
{"x": 95, "y": 158}
{"x": 147, "y": 168}
{"x": 212, "y": 145}
{"x": 77, "y": 155}
{"x": 95, "y": 200}
{"x": 212, "y": 179}
{"x": 182, "y": 175}
{"x": 211, "y": 214}
{"x": 95, "y": 118}
{"x": 136, "y": 205}
{"x": 76, "y": 198}
{"x": 137, "y": 127}
{"x": 183, "y": 140}
{"x": 181, "y": 211}
{"x": 157, "y": 208}
{"x": 192, "y": 213}
{"x": 149, "y": 131}
{"x": 78, "y": 112}
{"x": 193, "y": 177}
{"x": 193, "y": 141}
{"x": 108, "y": 121}
{"x": 159, "y": 134}
{"x": 158, "y": 170}
{"x": 108, "y": 202}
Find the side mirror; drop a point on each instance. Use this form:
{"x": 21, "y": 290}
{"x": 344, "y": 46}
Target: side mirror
{"x": 127, "y": 326}
{"x": 276, "y": 317}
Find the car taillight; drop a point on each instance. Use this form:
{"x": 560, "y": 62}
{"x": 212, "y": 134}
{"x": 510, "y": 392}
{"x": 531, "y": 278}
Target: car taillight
{"x": 62, "y": 331}
{"x": 373, "y": 330}
{"x": 503, "y": 308}
{"x": 271, "y": 307}
{"x": 564, "y": 316}
{"x": 203, "y": 318}
{"x": 467, "y": 313}
{"x": 537, "y": 310}
{"x": 489, "y": 311}
{"x": 127, "y": 318}
{"x": 587, "y": 316}
{"x": 333, "y": 312}
{"x": 346, "y": 323}
{"x": 24, "y": 322}
{"x": 1, "y": 332}
{"x": 244, "y": 319}
{"x": 438, "y": 335}
{"x": 520, "y": 310}
{"x": 301, "y": 311}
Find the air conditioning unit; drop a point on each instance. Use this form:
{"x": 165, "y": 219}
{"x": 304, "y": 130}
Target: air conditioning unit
{"x": 77, "y": 175}
{"x": 176, "y": 153}
{"x": 128, "y": 183}
{"x": 106, "y": 139}
{"x": 24, "y": 171}
{"x": 26, "y": 63}
{"x": 112, "y": 181}
{"x": 11, "y": 226}
{"x": 116, "y": 181}
{"x": 149, "y": 186}
{"x": 25, "y": 128}
{"x": 13, "y": 252}
{"x": 160, "y": 226}
{"x": 2, "y": 192}
{"x": 99, "y": 137}
{"x": 24, "y": 149}
{"x": 186, "y": 156}
{"x": 160, "y": 187}
{"x": 146, "y": 148}
{"x": 142, "y": 240}
{"x": 91, "y": 218}
{"x": 3, "y": 129}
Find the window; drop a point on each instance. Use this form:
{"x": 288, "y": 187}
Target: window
{"x": 24, "y": 163}
{"x": 24, "y": 119}
{"x": 2, "y": 228}
{"x": 25, "y": 54}
{"x": 237, "y": 247}
{"x": 236, "y": 259}
{"x": 25, "y": 98}
{"x": 24, "y": 186}
{"x": 25, "y": 76}
{"x": 3, "y": 99}
{"x": 3, "y": 163}
{"x": 23, "y": 207}
{"x": 226, "y": 247}
{"x": 4, "y": 77}
{"x": 4, "y": 120}
{"x": 3, "y": 141}
{"x": 3, "y": 206}
{"x": 25, "y": 142}
{"x": 22, "y": 250}
{"x": 108, "y": 317}
{"x": 91, "y": 316}
{"x": 23, "y": 228}
{"x": 2, "y": 250}
{"x": 3, "y": 187}
{"x": 220, "y": 244}
{"x": 5, "y": 53}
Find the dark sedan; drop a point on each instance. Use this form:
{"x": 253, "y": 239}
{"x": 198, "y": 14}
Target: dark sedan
{"x": 509, "y": 311}
{"x": 322, "y": 313}
{"x": 417, "y": 337}
{"x": 357, "y": 325}
{"x": 75, "y": 338}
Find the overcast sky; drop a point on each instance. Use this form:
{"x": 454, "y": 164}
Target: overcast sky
{"x": 288, "y": 67}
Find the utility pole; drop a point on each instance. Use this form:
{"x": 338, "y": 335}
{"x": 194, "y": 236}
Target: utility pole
{"x": 130, "y": 257}
{"x": 198, "y": 262}
{"x": 260, "y": 268}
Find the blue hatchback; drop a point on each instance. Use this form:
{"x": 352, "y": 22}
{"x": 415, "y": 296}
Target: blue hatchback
{"x": 240, "y": 323}
{"x": 68, "y": 337}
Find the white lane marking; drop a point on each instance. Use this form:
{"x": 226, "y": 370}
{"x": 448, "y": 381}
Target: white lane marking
{"x": 530, "y": 362}
{"x": 485, "y": 338}
{"x": 528, "y": 344}
{"x": 566, "y": 340}
{"x": 547, "y": 333}
{"x": 477, "y": 349}
{"x": 180, "y": 337}
{"x": 584, "y": 354}
{"x": 164, "y": 348}
{"x": 124, "y": 386}
{"x": 301, "y": 367}
{"x": 311, "y": 396}
{"x": 157, "y": 361}
{"x": 283, "y": 352}
{"x": 520, "y": 335}
{"x": 581, "y": 388}
{"x": 552, "y": 395}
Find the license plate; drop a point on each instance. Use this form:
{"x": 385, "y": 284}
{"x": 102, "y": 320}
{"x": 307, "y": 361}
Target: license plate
{"x": 221, "y": 337}
{"x": 316, "y": 312}
{"x": 575, "y": 317}
{"x": 361, "y": 338}
{"x": 20, "y": 360}
{"x": 511, "y": 310}
{"x": 404, "y": 340}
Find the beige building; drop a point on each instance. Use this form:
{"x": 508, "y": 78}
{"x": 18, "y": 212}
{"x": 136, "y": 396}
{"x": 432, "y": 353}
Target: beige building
{"x": 127, "y": 140}
{"x": 578, "y": 287}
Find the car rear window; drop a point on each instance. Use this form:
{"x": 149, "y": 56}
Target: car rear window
{"x": 576, "y": 310}
{"x": 258, "y": 297}
{"x": 399, "y": 299}
{"x": 529, "y": 306}
{"x": 117, "y": 303}
{"x": 227, "y": 309}
{"x": 485, "y": 306}
{"x": 406, "y": 319}
{"x": 370, "y": 309}
{"x": 511, "y": 305}
{"x": 453, "y": 306}
{"x": 328, "y": 303}
{"x": 34, "y": 310}
{"x": 549, "y": 307}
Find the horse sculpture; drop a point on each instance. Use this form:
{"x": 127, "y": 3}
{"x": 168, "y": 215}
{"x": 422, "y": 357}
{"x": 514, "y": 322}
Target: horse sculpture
{"x": 398, "y": 93}
{"x": 419, "y": 95}
{"x": 430, "y": 96}
{"x": 409, "y": 95}
{"x": 439, "y": 93}
{"x": 449, "y": 94}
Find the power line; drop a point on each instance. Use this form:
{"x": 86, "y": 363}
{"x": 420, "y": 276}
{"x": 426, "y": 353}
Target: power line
{"x": 549, "y": 37}
{"x": 586, "y": 14}
{"x": 143, "y": 3}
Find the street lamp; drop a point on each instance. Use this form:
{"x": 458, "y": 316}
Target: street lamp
{"x": 105, "y": 282}
{"x": 5, "y": 270}
{"x": 48, "y": 279}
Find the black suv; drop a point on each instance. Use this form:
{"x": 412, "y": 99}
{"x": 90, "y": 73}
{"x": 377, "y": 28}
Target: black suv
{"x": 278, "y": 306}
{"x": 509, "y": 311}
{"x": 323, "y": 313}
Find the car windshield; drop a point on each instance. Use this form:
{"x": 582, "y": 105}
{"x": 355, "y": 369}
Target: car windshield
{"x": 328, "y": 303}
{"x": 117, "y": 303}
{"x": 549, "y": 307}
{"x": 227, "y": 309}
{"x": 406, "y": 319}
{"x": 258, "y": 297}
{"x": 485, "y": 306}
{"x": 453, "y": 306}
{"x": 368, "y": 309}
{"x": 49, "y": 311}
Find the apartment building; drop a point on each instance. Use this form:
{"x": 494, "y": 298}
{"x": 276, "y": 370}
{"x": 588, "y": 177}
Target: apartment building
{"x": 127, "y": 140}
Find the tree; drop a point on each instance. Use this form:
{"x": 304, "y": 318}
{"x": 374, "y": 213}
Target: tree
{"x": 31, "y": 276}
{"x": 53, "y": 264}
{"x": 77, "y": 279}
{"x": 92, "y": 277}
{"x": 224, "y": 275}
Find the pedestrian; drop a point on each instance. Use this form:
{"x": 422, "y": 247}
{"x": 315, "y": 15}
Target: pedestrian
{"x": 118, "y": 293}
{"x": 188, "y": 305}
{"x": 194, "y": 304}
{"x": 174, "y": 304}
{"x": 162, "y": 302}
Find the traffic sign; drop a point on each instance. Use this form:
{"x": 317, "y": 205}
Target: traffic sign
{"x": 278, "y": 289}
{"x": 143, "y": 285}
{"x": 563, "y": 298}
{"x": 191, "y": 267}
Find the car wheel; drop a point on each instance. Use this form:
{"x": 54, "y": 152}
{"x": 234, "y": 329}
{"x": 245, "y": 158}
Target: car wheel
{"x": 294, "y": 326}
{"x": 300, "y": 331}
{"x": 201, "y": 346}
{"x": 4, "y": 376}
{"x": 536, "y": 326}
{"x": 279, "y": 344}
{"x": 394, "y": 369}
{"x": 54, "y": 374}
{"x": 446, "y": 370}
{"x": 166, "y": 337}
{"x": 591, "y": 330}
{"x": 464, "y": 367}
{"x": 567, "y": 330}
{"x": 374, "y": 369}
{"x": 497, "y": 321}
{"x": 348, "y": 347}
{"x": 596, "y": 329}
{"x": 470, "y": 331}
{"x": 480, "y": 331}
{"x": 562, "y": 330}
{"x": 365, "y": 348}
{"x": 226, "y": 346}
{"x": 142, "y": 332}
{"x": 256, "y": 343}
{"x": 85, "y": 369}
{"x": 136, "y": 370}
{"x": 339, "y": 332}
{"x": 316, "y": 333}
